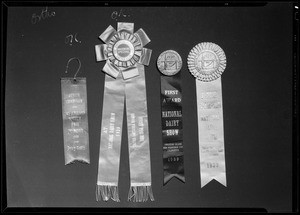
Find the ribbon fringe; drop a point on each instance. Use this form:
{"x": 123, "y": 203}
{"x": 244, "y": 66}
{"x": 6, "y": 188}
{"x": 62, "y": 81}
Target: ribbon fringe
{"x": 140, "y": 193}
{"x": 107, "y": 192}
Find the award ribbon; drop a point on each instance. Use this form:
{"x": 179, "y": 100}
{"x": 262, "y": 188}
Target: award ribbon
{"x": 170, "y": 63}
{"x": 207, "y": 61}
{"x": 124, "y": 81}
{"x": 75, "y": 119}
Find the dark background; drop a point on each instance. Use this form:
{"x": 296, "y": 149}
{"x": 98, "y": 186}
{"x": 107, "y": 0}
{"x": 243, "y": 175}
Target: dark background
{"x": 257, "y": 99}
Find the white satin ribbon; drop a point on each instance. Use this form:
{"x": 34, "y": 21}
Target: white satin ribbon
{"x": 210, "y": 131}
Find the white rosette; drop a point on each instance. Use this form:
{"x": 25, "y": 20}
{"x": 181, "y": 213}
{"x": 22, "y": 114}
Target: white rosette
{"x": 123, "y": 50}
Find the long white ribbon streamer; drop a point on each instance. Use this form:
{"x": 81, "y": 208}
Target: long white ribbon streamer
{"x": 210, "y": 131}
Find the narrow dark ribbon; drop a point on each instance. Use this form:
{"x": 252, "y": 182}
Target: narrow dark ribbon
{"x": 171, "y": 107}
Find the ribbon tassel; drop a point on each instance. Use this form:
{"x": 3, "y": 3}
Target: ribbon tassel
{"x": 106, "y": 192}
{"x": 140, "y": 193}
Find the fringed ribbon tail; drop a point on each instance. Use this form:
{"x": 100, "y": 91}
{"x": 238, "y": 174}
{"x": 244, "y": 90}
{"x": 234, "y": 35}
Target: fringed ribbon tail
{"x": 107, "y": 192}
{"x": 140, "y": 193}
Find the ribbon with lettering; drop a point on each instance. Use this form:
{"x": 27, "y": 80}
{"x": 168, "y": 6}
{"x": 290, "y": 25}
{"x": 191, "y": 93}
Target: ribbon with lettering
{"x": 75, "y": 119}
{"x": 125, "y": 57}
{"x": 169, "y": 64}
{"x": 207, "y": 61}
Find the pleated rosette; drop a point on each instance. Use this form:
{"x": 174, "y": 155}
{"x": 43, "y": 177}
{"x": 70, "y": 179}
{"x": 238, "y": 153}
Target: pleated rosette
{"x": 123, "y": 50}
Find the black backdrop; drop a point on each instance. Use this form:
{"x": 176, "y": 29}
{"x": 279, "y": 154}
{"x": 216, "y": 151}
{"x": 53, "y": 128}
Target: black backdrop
{"x": 257, "y": 99}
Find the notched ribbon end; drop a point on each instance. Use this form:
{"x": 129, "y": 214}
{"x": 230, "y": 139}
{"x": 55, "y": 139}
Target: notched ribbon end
{"x": 168, "y": 178}
{"x": 221, "y": 180}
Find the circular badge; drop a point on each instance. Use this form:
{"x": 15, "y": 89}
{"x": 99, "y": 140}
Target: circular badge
{"x": 169, "y": 62}
{"x": 124, "y": 50}
{"x": 207, "y": 61}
